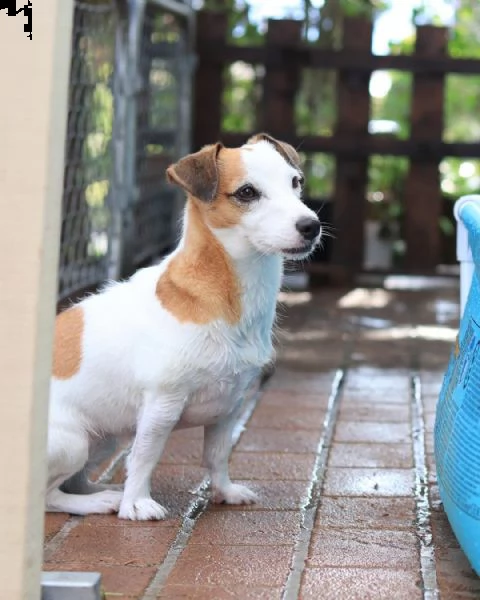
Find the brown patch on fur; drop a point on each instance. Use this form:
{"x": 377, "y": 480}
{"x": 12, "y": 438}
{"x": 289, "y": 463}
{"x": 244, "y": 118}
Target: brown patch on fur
{"x": 67, "y": 344}
{"x": 212, "y": 175}
{"x": 200, "y": 284}
{"x": 197, "y": 173}
{"x": 224, "y": 212}
{"x": 286, "y": 150}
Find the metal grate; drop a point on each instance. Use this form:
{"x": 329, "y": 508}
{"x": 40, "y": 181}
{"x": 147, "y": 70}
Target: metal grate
{"x": 86, "y": 196}
{"x": 129, "y": 118}
{"x": 162, "y": 50}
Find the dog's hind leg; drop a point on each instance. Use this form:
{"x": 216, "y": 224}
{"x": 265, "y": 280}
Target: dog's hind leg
{"x": 100, "y": 449}
{"x": 81, "y": 484}
{"x": 104, "y": 502}
{"x": 67, "y": 455}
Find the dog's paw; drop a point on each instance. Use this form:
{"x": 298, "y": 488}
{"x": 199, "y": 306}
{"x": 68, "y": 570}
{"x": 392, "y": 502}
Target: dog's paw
{"x": 234, "y": 494}
{"x": 105, "y": 502}
{"x": 143, "y": 509}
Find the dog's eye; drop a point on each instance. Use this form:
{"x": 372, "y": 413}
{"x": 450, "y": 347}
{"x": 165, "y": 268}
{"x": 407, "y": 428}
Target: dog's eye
{"x": 297, "y": 181}
{"x": 247, "y": 193}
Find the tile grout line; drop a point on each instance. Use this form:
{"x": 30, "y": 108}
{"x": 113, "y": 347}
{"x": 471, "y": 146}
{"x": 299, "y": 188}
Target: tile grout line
{"x": 423, "y": 524}
{"x": 310, "y": 506}
{"x": 192, "y": 515}
{"x": 57, "y": 540}
{"x": 74, "y": 520}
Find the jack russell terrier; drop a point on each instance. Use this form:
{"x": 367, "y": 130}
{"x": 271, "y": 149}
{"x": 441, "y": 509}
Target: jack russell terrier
{"x": 178, "y": 343}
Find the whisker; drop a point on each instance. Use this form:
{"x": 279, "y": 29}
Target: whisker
{"x": 328, "y": 234}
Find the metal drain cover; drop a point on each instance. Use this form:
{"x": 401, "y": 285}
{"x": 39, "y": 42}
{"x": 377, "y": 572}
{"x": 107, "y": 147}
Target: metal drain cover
{"x": 71, "y": 586}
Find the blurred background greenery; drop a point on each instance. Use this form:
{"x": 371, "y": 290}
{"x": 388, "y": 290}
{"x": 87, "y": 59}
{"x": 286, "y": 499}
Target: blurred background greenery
{"x": 394, "y": 32}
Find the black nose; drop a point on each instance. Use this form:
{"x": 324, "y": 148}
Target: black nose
{"x": 308, "y": 227}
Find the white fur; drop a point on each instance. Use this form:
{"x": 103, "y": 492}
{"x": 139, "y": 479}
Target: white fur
{"x": 144, "y": 370}
{"x": 269, "y": 224}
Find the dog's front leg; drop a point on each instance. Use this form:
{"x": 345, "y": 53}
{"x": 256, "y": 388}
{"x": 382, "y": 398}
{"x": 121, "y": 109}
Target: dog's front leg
{"x": 158, "y": 417}
{"x": 216, "y": 453}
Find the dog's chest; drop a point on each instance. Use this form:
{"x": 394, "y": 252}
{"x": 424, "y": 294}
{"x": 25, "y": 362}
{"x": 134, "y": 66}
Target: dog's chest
{"x": 222, "y": 359}
{"x": 213, "y": 401}
{"x": 224, "y": 363}
{"x": 225, "y": 350}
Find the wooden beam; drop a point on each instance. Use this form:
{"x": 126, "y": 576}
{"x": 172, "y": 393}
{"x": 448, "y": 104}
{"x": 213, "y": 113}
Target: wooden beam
{"x": 208, "y": 91}
{"x": 281, "y": 81}
{"x": 320, "y": 58}
{"x": 423, "y": 199}
{"x": 33, "y": 126}
{"x": 351, "y": 174}
{"x": 365, "y": 145}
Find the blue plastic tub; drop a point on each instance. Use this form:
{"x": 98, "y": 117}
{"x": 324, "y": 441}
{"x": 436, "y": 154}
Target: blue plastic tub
{"x": 457, "y": 423}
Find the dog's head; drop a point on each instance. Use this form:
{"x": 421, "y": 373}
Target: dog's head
{"x": 251, "y": 196}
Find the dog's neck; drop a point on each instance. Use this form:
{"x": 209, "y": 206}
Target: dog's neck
{"x": 211, "y": 276}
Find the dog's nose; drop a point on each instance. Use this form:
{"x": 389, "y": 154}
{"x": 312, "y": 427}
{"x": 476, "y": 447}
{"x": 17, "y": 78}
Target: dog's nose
{"x": 309, "y": 228}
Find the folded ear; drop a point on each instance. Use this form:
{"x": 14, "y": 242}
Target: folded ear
{"x": 288, "y": 152}
{"x": 197, "y": 173}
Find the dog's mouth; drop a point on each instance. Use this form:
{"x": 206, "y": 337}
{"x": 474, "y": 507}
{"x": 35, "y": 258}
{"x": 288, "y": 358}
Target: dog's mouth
{"x": 299, "y": 251}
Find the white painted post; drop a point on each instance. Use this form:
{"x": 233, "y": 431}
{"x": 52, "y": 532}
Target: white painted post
{"x": 33, "y": 117}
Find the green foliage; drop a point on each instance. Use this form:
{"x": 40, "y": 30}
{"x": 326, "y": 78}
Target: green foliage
{"x": 395, "y": 106}
{"x": 464, "y": 36}
{"x": 241, "y": 97}
{"x": 241, "y": 29}
{"x": 386, "y": 188}
{"x": 242, "y": 82}
{"x": 315, "y": 104}
{"x": 319, "y": 171}
{"x": 163, "y": 94}
{"x": 363, "y": 8}
{"x": 459, "y": 176}
{"x": 461, "y": 108}
{"x": 91, "y": 123}
{"x": 462, "y": 105}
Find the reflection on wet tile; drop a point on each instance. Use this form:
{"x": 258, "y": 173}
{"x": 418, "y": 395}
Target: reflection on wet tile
{"x": 369, "y": 482}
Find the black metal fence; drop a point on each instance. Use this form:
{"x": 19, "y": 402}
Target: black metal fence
{"x": 129, "y": 117}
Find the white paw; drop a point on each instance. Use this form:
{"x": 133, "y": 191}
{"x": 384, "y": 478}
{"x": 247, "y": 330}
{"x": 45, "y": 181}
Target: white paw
{"x": 104, "y": 502}
{"x": 143, "y": 509}
{"x": 234, "y": 494}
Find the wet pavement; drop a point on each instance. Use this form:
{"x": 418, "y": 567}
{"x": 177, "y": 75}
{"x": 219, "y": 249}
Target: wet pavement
{"x": 339, "y": 446}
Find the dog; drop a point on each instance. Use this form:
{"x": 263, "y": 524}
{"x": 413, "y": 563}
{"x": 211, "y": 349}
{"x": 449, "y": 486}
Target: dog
{"x": 178, "y": 344}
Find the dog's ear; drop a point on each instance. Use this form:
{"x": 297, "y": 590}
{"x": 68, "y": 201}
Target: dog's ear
{"x": 197, "y": 173}
{"x": 288, "y": 152}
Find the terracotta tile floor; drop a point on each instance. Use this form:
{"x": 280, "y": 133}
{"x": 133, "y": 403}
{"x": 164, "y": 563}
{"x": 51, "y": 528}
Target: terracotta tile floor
{"x": 328, "y": 446}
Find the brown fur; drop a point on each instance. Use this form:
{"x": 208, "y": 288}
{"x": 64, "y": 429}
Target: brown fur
{"x": 198, "y": 173}
{"x": 224, "y": 211}
{"x": 67, "y": 345}
{"x": 200, "y": 284}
